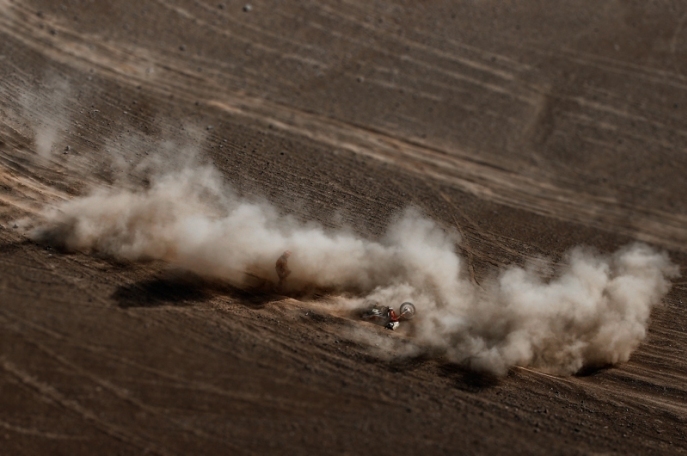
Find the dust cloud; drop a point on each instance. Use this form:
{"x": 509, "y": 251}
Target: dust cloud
{"x": 46, "y": 110}
{"x": 591, "y": 309}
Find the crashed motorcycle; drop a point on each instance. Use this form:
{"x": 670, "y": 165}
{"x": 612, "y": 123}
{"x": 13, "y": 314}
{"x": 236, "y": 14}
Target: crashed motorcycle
{"x": 382, "y": 315}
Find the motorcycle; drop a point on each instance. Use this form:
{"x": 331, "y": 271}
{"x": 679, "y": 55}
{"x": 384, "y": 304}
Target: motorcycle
{"x": 380, "y": 315}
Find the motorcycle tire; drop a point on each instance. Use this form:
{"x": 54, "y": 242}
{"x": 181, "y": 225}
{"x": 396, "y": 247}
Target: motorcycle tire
{"x": 407, "y": 311}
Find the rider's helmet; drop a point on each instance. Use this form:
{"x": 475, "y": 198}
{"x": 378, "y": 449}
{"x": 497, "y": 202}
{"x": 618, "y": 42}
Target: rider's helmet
{"x": 391, "y": 308}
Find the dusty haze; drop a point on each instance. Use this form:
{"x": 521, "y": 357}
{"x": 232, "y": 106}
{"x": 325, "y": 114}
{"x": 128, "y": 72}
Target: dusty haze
{"x": 589, "y": 310}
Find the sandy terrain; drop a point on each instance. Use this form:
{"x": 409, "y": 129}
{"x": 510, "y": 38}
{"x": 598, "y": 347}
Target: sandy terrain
{"x": 529, "y": 127}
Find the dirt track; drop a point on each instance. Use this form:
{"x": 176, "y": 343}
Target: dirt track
{"x": 530, "y": 129}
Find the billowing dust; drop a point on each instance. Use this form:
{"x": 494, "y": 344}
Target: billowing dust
{"x": 593, "y": 309}
{"x": 590, "y": 309}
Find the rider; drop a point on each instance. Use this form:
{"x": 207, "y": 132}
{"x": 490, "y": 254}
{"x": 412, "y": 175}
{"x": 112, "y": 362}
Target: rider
{"x": 393, "y": 319}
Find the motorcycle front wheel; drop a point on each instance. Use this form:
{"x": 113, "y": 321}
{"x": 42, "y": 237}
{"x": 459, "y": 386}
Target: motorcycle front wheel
{"x": 407, "y": 310}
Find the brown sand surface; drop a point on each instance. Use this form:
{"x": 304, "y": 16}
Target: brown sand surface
{"x": 530, "y": 126}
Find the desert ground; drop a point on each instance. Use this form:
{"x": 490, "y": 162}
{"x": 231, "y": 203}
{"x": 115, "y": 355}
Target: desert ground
{"x": 527, "y": 127}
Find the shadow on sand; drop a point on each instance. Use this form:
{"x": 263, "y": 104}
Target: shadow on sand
{"x": 187, "y": 289}
{"x": 463, "y": 377}
{"x": 466, "y": 379}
